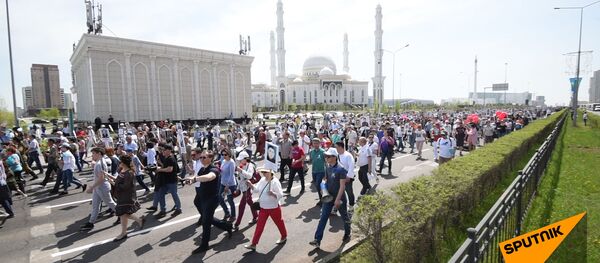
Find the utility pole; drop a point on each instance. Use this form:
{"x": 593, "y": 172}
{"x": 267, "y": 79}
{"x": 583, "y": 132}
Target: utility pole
{"x": 12, "y": 74}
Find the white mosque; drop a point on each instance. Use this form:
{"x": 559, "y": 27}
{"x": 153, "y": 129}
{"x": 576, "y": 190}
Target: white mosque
{"x": 319, "y": 83}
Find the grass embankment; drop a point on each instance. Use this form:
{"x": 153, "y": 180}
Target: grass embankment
{"x": 571, "y": 185}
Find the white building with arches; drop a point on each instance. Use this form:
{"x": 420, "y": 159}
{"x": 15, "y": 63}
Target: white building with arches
{"x": 135, "y": 80}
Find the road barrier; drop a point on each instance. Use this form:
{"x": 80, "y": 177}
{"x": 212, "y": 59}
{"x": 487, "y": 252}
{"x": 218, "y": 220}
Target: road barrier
{"x": 504, "y": 220}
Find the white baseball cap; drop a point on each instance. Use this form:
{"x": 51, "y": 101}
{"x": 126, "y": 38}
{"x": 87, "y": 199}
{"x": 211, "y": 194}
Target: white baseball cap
{"x": 242, "y": 155}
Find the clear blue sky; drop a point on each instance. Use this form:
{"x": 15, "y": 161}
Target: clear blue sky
{"x": 444, "y": 37}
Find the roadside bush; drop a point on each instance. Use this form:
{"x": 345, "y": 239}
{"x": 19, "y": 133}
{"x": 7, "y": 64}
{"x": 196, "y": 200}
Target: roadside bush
{"x": 419, "y": 212}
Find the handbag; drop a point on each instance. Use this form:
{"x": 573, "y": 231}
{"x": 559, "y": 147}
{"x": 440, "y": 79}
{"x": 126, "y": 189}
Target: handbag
{"x": 256, "y": 205}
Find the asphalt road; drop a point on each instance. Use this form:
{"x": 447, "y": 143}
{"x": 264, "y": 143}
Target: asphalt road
{"x": 46, "y": 227}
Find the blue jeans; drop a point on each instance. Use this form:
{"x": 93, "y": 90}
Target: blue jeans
{"x": 229, "y": 200}
{"x": 317, "y": 177}
{"x": 168, "y": 188}
{"x": 326, "y": 212}
{"x": 67, "y": 177}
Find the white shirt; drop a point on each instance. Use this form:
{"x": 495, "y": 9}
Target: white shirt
{"x": 445, "y": 145}
{"x": 151, "y": 156}
{"x": 352, "y": 137}
{"x": 420, "y": 135}
{"x": 68, "y": 161}
{"x": 266, "y": 200}
{"x": 347, "y": 161}
{"x": 304, "y": 142}
{"x": 34, "y": 146}
{"x": 363, "y": 155}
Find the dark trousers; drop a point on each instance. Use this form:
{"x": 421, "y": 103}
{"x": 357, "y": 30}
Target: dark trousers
{"x": 59, "y": 179}
{"x": 284, "y": 163}
{"x": 35, "y": 157}
{"x": 52, "y": 167}
{"x": 208, "y": 206}
{"x": 140, "y": 180}
{"x": 6, "y": 201}
{"x": 385, "y": 156}
{"x": 350, "y": 192}
{"x": 20, "y": 180}
{"x": 293, "y": 172}
{"x": 197, "y": 201}
{"x": 81, "y": 159}
{"x": 364, "y": 179}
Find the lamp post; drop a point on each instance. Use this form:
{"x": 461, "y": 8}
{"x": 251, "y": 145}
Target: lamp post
{"x": 12, "y": 74}
{"x": 394, "y": 71}
{"x": 577, "y": 81}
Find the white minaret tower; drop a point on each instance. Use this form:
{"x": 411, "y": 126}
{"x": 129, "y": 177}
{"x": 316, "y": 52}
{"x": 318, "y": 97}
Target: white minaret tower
{"x": 280, "y": 42}
{"x": 378, "y": 78}
{"x": 273, "y": 61}
{"x": 346, "y": 53}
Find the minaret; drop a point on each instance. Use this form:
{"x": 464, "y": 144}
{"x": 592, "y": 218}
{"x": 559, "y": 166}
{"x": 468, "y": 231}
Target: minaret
{"x": 273, "y": 61}
{"x": 346, "y": 53}
{"x": 280, "y": 42}
{"x": 475, "y": 83}
{"x": 378, "y": 78}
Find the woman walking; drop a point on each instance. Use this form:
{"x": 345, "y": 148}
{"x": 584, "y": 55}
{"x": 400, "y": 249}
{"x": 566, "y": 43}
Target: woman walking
{"x": 14, "y": 163}
{"x": 127, "y": 203}
{"x": 228, "y": 185}
{"x": 270, "y": 191}
{"x": 245, "y": 171}
{"x": 5, "y": 193}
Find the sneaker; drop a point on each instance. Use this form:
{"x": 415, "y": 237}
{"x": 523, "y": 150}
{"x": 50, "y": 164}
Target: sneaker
{"x": 252, "y": 222}
{"x": 251, "y": 247}
{"x": 88, "y": 226}
{"x": 152, "y": 208}
{"x": 176, "y": 213}
{"x": 200, "y": 249}
{"x": 83, "y": 187}
{"x": 63, "y": 193}
{"x": 281, "y": 241}
{"x": 160, "y": 214}
{"x": 346, "y": 239}
{"x": 315, "y": 243}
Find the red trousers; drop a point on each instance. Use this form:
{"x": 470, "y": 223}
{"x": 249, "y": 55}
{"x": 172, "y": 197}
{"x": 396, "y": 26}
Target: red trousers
{"x": 263, "y": 215}
{"x": 246, "y": 199}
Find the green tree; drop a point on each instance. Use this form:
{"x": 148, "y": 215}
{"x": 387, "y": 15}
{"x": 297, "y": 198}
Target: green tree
{"x": 48, "y": 114}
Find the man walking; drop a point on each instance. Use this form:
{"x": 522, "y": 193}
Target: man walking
{"x": 285, "y": 151}
{"x": 208, "y": 196}
{"x": 346, "y": 160}
{"x": 168, "y": 172}
{"x": 100, "y": 190}
{"x": 317, "y": 158}
{"x": 335, "y": 179}
{"x": 34, "y": 154}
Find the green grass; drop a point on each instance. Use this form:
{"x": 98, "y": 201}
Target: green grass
{"x": 571, "y": 185}
{"x": 456, "y": 235}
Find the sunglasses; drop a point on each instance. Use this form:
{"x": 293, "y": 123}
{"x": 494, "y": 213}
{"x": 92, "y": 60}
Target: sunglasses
{"x": 203, "y": 157}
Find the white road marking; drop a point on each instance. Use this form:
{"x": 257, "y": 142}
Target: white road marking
{"x": 83, "y": 201}
{"x": 42, "y": 230}
{"x": 43, "y": 256}
{"x": 143, "y": 231}
{"x": 40, "y": 211}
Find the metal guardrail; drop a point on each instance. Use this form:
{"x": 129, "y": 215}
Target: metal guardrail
{"x": 504, "y": 220}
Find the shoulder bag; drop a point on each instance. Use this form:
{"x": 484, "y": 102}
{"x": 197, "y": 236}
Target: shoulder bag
{"x": 256, "y": 205}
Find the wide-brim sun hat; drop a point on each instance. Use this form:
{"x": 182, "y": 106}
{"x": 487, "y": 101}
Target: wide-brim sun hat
{"x": 331, "y": 152}
{"x": 265, "y": 170}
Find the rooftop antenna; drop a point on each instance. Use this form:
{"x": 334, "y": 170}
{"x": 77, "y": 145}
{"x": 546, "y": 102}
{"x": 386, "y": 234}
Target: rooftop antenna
{"x": 93, "y": 19}
{"x": 244, "y": 46}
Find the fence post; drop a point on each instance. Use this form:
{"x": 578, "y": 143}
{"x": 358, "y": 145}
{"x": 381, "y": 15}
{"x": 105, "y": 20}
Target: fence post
{"x": 474, "y": 248}
{"x": 519, "y": 202}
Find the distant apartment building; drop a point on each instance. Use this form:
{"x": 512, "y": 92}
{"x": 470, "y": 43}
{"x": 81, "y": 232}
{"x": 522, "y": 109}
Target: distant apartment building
{"x": 594, "y": 91}
{"x": 45, "y": 87}
{"x": 27, "y": 98}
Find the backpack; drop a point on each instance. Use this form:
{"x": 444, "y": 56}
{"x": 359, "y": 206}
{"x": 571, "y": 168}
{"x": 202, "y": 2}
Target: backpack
{"x": 256, "y": 176}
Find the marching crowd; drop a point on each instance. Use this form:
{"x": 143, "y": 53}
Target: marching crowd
{"x": 220, "y": 164}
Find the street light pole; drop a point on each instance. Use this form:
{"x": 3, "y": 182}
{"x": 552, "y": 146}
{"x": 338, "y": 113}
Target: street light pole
{"x": 12, "y": 74}
{"x": 394, "y": 72}
{"x": 577, "y": 81}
